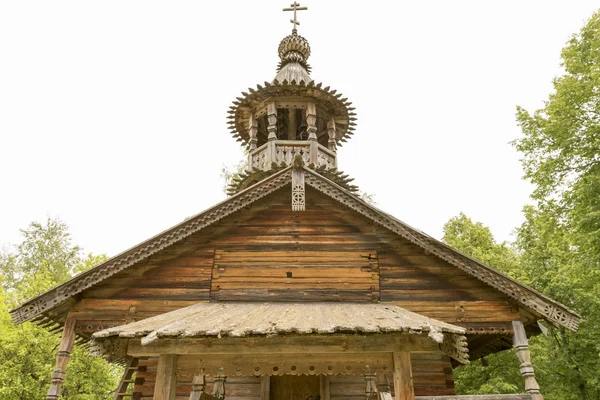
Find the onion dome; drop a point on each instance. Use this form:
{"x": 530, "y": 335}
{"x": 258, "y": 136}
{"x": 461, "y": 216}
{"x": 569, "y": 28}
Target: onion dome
{"x": 294, "y": 51}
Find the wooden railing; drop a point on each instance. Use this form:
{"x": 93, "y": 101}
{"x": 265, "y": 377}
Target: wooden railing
{"x": 284, "y": 151}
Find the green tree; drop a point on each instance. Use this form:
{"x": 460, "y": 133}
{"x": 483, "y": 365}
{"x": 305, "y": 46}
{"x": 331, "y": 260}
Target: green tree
{"x": 45, "y": 258}
{"x": 496, "y": 373}
{"x": 560, "y": 239}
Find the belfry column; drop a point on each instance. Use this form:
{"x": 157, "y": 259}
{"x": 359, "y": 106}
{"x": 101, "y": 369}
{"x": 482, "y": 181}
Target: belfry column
{"x": 272, "y": 130}
{"x": 252, "y": 132}
{"x": 311, "y": 121}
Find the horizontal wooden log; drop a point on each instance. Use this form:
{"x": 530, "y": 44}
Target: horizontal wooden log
{"x": 286, "y": 344}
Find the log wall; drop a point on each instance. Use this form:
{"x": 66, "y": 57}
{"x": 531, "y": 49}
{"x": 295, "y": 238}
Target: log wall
{"x": 326, "y": 253}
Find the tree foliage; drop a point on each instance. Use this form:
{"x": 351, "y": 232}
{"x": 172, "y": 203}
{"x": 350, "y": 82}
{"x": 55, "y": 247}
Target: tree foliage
{"x": 560, "y": 239}
{"x": 557, "y": 250}
{"x": 45, "y": 258}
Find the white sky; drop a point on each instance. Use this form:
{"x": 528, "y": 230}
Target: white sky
{"x": 113, "y": 113}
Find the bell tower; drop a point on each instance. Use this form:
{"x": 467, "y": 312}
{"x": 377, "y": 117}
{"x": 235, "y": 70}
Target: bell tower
{"x": 291, "y": 115}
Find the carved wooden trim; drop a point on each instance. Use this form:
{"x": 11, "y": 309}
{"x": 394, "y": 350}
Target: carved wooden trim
{"x": 62, "y": 293}
{"x": 552, "y": 311}
{"x": 456, "y": 347}
{"x": 298, "y": 193}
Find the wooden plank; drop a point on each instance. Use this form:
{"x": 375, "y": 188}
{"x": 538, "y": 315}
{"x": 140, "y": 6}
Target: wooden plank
{"x": 403, "y": 380}
{"x": 166, "y": 377}
{"x": 286, "y": 364}
{"x": 335, "y": 343}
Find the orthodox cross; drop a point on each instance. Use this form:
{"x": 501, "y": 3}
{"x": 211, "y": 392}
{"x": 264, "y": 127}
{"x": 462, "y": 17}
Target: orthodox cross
{"x": 295, "y": 7}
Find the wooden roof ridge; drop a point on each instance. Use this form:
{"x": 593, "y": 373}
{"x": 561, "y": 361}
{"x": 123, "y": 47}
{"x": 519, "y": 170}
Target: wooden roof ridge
{"x": 539, "y": 303}
{"x": 61, "y": 293}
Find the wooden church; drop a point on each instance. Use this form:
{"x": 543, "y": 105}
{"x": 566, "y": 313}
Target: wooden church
{"x": 294, "y": 287}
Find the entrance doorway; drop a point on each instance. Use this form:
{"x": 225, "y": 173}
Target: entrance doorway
{"x": 295, "y": 387}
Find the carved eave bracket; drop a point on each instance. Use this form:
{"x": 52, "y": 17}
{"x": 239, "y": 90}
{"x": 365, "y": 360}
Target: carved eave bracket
{"x": 298, "y": 190}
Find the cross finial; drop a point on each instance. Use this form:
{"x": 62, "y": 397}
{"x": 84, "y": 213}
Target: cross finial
{"x": 295, "y": 7}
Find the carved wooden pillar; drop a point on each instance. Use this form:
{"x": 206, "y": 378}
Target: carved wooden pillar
{"x": 311, "y": 121}
{"x": 522, "y": 349}
{"x": 219, "y": 387}
{"x": 324, "y": 387}
{"x": 403, "y": 381}
{"x": 331, "y": 134}
{"x": 166, "y": 377}
{"x": 253, "y": 140}
{"x": 298, "y": 191}
{"x": 371, "y": 386}
{"x": 62, "y": 359}
{"x": 198, "y": 385}
{"x": 272, "y": 129}
{"x": 265, "y": 387}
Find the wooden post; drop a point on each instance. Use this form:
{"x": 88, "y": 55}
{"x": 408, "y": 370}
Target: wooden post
{"x": 252, "y": 132}
{"x": 403, "y": 382}
{"x": 331, "y": 134}
{"x": 522, "y": 349}
{"x": 198, "y": 385}
{"x": 272, "y": 119}
{"x": 265, "y": 387}
{"x": 272, "y": 129}
{"x": 324, "y": 387}
{"x": 166, "y": 377}
{"x": 62, "y": 359}
{"x": 311, "y": 121}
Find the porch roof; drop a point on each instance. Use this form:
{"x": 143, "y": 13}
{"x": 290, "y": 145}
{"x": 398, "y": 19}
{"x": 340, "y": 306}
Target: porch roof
{"x": 246, "y": 319}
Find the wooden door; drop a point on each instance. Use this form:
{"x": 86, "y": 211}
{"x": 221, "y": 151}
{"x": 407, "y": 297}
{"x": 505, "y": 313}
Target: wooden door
{"x": 295, "y": 387}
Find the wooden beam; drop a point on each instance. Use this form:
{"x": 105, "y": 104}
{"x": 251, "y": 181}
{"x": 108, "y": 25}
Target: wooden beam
{"x": 265, "y": 388}
{"x": 522, "y": 349}
{"x": 166, "y": 377}
{"x": 403, "y": 381}
{"x": 62, "y": 359}
{"x": 335, "y": 343}
{"x": 324, "y": 387}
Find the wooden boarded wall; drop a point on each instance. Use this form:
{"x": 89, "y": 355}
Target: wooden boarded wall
{"x": 331, "y": 253}
{"x": 295, "y": 275}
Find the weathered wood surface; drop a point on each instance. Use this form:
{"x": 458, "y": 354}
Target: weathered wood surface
{"x": 166, "y": 377}
{"x": 326, "y": 249}
{"x": 403, "y": 377}
{"x": 335, "y": 343}
{"x": 299, "y": 387}
{"x": 432, "y": 375}
{"x": 521, "y": 345}
{"x": 62, "y": 359}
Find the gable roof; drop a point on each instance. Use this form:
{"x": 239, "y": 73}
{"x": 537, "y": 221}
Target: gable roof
{"x": 549, "y": 309}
